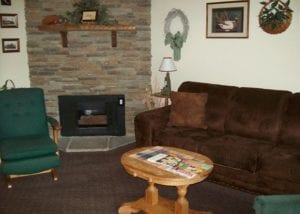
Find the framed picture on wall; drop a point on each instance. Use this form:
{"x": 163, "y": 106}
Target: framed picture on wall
{"x": 9, "y": 20}
{"x": 10, "y": 45}
{"x": 5, "y": 2}
{"x": 227, "y": 19}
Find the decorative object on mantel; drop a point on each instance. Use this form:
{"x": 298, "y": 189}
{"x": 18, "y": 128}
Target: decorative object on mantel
{"x": 176, "y": 41}
{"x": 6, "y": 87}
{"x": 72, "y": 22}
{"x": 275, "y": 16}
{"x": 167, "y": 65}
{"x": 89, "y": 16}
{"x": 102, "y": 16}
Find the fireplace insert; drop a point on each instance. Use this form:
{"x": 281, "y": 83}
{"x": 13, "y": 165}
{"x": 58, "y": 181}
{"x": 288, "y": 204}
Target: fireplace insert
{"x": 92, "y": 115}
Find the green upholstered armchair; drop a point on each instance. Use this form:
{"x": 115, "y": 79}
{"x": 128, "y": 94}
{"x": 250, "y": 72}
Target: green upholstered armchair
{"x": 277, "y": 204}
{"x": 25, "y": 145}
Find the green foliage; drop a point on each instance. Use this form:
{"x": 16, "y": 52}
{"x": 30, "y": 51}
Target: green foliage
{"x": 274, "y": 14}
{"x": 102, "y": 15}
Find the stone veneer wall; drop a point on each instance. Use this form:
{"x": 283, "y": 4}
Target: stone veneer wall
{"x": 90, "y": 66}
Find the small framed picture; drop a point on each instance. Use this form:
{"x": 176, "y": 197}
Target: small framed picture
{"x": 89, "y": 16}
{"x": 9, "y": 20}
{"x": 227, "y": 19}
{"x": 10, "y": 45}
{"x": 5, "y": 2}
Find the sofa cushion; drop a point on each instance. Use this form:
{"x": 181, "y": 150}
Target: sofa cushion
{"x": 26, "y": 147}
{"x": 256, "y": 113}
{"x": 183, "y": 137}
{"x": 188, "y": 109}
{"x": 217, "y": 103}
{"x": 290, "y": 129}
{"x": 235, "y": 152}
{"x": 282, "y": 162}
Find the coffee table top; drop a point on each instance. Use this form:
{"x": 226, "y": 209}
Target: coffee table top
{"x": 152, "y": 173}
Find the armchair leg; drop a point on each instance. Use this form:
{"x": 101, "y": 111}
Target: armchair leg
{"x": 54, "y": 174}
{"x": 8, "y": 181}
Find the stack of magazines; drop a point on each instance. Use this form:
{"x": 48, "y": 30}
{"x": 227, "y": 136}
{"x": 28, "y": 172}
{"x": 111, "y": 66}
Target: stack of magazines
{"x": 173, "y": 161}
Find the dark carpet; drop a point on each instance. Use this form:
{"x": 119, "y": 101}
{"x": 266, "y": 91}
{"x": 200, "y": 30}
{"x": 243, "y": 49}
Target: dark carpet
{"x": 96, "y": 183}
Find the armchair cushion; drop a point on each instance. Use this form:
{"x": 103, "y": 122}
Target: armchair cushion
{"x": 23, "y": 112}
{"x": 30, "y": 165}
{"x": 26, "y": 147}
{"x": 277, "y": 204}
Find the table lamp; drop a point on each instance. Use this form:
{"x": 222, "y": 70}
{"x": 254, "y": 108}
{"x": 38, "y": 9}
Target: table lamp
{"x": 167, "y": 65}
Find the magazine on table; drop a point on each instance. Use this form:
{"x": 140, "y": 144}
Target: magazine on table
{"x": 173, "y": 161}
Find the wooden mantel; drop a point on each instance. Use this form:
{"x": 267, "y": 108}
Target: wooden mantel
{"x": 65, "y": 28}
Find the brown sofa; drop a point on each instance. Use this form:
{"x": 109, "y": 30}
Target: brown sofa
{"x": 253, "y": 136}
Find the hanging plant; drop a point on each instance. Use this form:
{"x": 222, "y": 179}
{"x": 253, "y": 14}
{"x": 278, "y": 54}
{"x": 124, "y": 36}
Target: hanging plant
{"x": 275, "y": 16}
{"x": 176, "y": 41}
{"x": 83, "y": 5}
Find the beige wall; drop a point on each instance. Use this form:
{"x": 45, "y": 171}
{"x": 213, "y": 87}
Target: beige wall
{"x": 262, "y": 60}
{"x": 15, "y": 65}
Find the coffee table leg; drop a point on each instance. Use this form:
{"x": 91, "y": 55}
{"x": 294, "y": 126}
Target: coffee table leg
{"x": 182, "y": 204}
{"x": 151, "y": 194}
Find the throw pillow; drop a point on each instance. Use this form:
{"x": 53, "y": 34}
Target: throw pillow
{"x": 188, "y": 109}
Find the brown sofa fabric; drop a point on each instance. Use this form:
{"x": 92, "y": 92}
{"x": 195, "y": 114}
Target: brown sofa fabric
{"x": 253, "y": 136}
{"x": 217, "y": 103}
{"x": 188, "y": 109}
{"x": 290, "y": 131}
{"x": 157, "y": 120}
{"x": 256, "y": 113}
{"x": 235, "y": 151}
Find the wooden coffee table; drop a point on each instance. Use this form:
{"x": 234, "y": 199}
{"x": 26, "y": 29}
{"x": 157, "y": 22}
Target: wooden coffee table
{"x": 152, "y": 203}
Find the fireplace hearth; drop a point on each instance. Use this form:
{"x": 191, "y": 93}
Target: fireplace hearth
{"x": 92, "y": 115}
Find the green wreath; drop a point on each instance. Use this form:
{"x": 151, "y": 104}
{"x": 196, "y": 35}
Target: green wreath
{"x": 176, "y": 41}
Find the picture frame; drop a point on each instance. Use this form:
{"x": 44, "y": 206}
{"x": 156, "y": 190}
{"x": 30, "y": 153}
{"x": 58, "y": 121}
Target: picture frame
{"x": 6, "y": 2}
{"x": 10, "y": 45}
{"x": 227, "y": 19}
{"x": 8, "y": 20}
{"x": 89, "y": 16}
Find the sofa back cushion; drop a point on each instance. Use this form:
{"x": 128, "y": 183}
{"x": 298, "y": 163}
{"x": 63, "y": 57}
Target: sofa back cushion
{"x": 256, "y": 113}
{"x": 290, "y": 129}
{"x": 217, "y": 102}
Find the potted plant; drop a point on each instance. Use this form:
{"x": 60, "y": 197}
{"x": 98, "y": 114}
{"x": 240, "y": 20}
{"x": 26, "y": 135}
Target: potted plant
{"x": 275, "y": 16}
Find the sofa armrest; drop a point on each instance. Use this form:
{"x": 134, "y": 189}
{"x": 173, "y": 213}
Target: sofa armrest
{"x": 148, "y": 123}
{"x": 55, "y": 126}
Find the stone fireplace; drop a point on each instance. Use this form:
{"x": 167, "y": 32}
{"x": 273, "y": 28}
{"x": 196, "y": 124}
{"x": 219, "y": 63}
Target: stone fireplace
{"x": 90, "y": 65}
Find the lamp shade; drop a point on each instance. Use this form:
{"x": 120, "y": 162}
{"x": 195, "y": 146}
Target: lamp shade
{"x": 167, "y": 65}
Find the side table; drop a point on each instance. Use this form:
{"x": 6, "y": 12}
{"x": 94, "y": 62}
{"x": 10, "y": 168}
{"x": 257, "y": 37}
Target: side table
{"x": 160, "y": 95}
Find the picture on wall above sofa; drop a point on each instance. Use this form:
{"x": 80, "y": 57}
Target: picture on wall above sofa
{"x": 227, "y": 19}
{"x": 5, "y": 2}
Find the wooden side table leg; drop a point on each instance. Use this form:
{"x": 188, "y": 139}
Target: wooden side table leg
{"x": 181, "y": 205}
{"x": 151, "y": 194}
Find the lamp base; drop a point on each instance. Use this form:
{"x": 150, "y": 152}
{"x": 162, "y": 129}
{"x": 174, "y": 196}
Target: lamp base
{"x": 166, "y": 90}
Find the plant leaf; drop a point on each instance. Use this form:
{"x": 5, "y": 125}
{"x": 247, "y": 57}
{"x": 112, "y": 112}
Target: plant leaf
{"x": 274, "y": 4}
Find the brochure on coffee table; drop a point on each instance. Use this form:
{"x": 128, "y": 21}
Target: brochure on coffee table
{"x": 173, "y": 161}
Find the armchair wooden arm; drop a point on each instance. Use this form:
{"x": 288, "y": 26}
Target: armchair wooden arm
{"x": 55, "y": 126}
